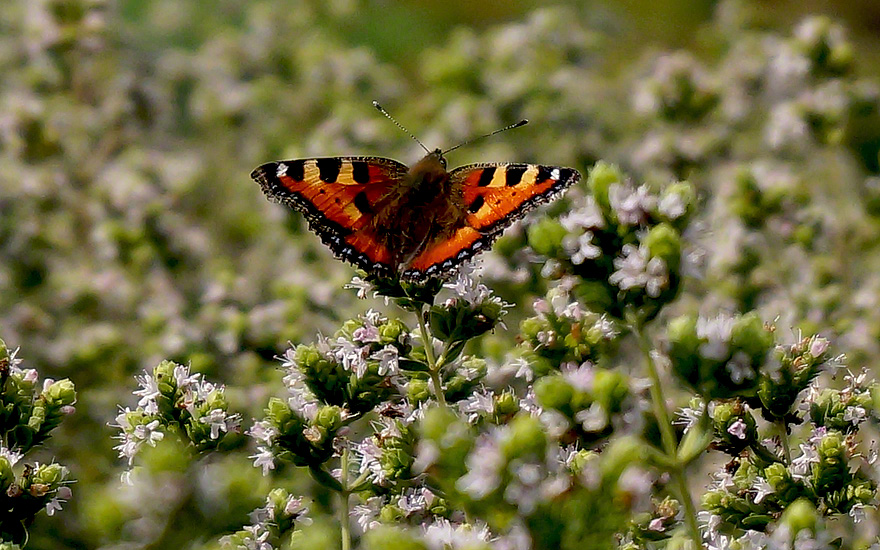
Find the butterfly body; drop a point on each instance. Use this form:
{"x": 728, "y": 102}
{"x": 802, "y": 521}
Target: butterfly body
{"x": 414, "y": 223}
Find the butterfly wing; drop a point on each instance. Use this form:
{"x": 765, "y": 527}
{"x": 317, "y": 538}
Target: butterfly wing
{"x": 338, "y": 197}
{"x": 494, "y": 196}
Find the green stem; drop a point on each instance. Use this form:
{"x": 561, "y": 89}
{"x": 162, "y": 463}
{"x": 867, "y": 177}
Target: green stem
{"x": 344, "y": 520}
{"x": 433, "y": 367}
{"x": 658, "y": 401}
{"x": 783, "y": 441}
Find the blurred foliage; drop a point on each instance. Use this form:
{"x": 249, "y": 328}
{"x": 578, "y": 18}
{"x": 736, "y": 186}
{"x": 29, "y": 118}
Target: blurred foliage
{"x": 130, "y": 233}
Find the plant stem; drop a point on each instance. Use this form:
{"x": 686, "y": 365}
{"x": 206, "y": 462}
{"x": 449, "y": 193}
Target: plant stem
{"x": 668, "y": 437}
{"x": 344, "y": 522}
{"x": 783, "y": 441}
{"x": 433, "y": 367}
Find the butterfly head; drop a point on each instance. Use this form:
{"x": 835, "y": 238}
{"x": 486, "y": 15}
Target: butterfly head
{"x": 432, "y": 163}
{"x": 438, "y": 155}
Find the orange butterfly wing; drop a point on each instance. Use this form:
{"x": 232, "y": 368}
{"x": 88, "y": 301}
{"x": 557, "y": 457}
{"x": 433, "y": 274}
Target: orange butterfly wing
{"x": 495, "y": 195}
{"x": 338, "y": 197}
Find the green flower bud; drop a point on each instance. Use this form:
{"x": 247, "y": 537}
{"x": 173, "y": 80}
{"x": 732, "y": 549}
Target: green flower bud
{"x": 50, "y": 474}
{"x": 610, "y": 388}
{"x": 713, "y": 500}
{"x": 307, "y": 357}
{"x": 329, "y": 418}
{"x": 349, "y": 327}
{"x": 581, "y": 459}
{"x": 751, "y": 336}
{"x": 600, "y": 179}
{"x": 215, "y": 400}
{"x": 554, "y": 392}
{"x": 506, "y": 404}
{"x": 776, "y": 475}
{"x": 391, "y": 331}
{"x": 526, "y": 437}
{"x": 437, "y": 422}
{"x": 799, "y": 515}
{"x": 7, "y": 476}
{"x": 60, "y": 393}
{"x": 831, "y": 473}
{"x": 418, "y": 390}
{"x": 164, "y": 372}
{"x": 683, "y": 192}
{"x": 278, "y": 412}
{"x": 618, "y": 455}
{"x": 684, "y": 349}
{"x": 664, "y": 242}
{"x": 384, "y": 537}
{"x": 545, "y": 238}
{"x": 735, "y": 427}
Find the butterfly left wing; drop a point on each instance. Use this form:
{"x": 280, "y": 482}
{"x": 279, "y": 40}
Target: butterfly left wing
{"x": 339, "y": 196}
{"x": 494, "y": 195}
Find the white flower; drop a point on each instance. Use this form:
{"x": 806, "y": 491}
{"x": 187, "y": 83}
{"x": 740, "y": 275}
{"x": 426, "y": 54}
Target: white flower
{"x": 579, "y": 376}
{"x": 801, "y": 466}
{"x": 739, "y": 368}
{"x": 263, "y": 431}
{"x": 388, "y": 360}
{"x": 688, "y": 418}
{"x": 149, "y": 432}
{"x": 183, "y": 379}
{"x": 762, "y": 489}
{"x": 370, "y": 454}
{"x": 632, "y": 205}
{"x": 366, "y": 515}
{"x": 366, "y": 334}
{"x": 352, "y": 357}
{"x": 295, "y": 508}
{"x": 738, "y": 429}
{"x": 818, "y": 346}
{"x": 360, "y": 285}
{"x": 148, "y": 393}
{"x": 264, "y": 459}
{"x": 304, "y": 404}
{"x": 465, "y": 287}
{"x": 594, "y": 419}
{"x": 858, "y": 513}
{"x": 219, "y": 422}
{"x": 12, "y": 456}
{"x": 484, "y": 466}
{"x": 414, "y": 501}
{"x": 478, "y": 403}
{"x": 717, "y": 331}
{"x": 634, "y": 270}
{"x": 589, "y": 216}
{"x": 441, "y": 535}
{"x": 786, "y": 125}
{"x": 53, "y": 506}
{"x": 855, "y": 414}
{"x": 672, "y": 205}
{"x": 581, "y": 248}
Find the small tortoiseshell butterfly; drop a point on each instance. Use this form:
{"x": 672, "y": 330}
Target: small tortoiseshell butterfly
{"x": 415, "y": 223}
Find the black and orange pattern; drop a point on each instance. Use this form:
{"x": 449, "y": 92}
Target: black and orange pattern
{"x": 413, "y": 223}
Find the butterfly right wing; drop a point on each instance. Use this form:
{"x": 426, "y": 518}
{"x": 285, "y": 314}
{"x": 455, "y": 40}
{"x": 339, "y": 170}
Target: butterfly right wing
{"x": 494, "y": 196}
{"x": 339, "y": 197}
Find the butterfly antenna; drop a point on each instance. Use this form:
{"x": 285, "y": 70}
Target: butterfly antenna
{"x": 399, "y": 125}
{"x": 522, "y": 122}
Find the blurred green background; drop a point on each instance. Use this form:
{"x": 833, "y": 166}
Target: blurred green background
{"x": 130, "y": 231}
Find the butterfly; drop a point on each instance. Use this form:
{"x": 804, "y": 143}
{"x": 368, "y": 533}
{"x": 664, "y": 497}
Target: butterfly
{"x": 411, "y": 223}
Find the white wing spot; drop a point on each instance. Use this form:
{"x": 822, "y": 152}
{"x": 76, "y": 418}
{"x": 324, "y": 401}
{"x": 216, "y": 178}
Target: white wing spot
{"x": 554, "y": 175}
{"x": 282, "y": 169}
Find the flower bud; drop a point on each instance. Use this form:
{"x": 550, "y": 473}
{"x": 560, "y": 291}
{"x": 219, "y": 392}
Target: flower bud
{"x": 799, "y": 515}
